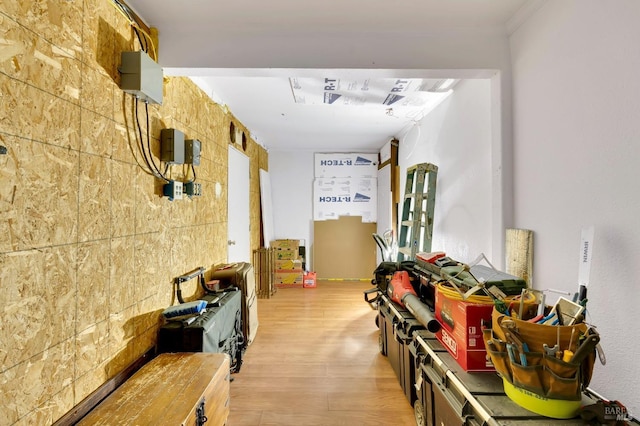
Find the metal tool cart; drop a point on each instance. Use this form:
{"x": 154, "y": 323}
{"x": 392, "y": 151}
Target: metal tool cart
{"x": 435, "y": 383}
{"x": 397, "y": 326}
{"x": 447, "y": 395}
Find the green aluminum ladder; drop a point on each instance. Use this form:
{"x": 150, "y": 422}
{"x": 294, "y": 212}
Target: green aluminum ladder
{"x": 416, "y": 224}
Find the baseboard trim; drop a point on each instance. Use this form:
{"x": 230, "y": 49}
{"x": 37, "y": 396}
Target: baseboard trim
{"x": 74, "y": 415}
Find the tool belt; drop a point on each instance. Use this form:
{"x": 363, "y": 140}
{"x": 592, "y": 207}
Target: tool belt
{"x": 526, "y": 355}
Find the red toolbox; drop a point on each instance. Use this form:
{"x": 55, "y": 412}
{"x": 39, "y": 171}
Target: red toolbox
{"x": 461, "y": 333}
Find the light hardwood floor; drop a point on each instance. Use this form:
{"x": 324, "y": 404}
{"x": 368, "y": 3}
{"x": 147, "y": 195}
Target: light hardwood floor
{"x": 315, "y": 361}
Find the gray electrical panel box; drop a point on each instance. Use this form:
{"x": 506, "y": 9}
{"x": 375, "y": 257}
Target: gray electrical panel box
{"x": 172, "y": 146}
{"x": 192, "y": 151}
{"x": 141, "y": 76}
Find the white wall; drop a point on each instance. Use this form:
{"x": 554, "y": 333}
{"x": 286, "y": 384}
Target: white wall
{"x": 291, "y": 191}
{"x": 576, "y": 68}
{"x": 456, "y": 137}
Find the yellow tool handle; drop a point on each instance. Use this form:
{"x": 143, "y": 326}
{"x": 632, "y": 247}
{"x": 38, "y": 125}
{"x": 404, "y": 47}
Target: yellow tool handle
{"x": 567, "y": 355}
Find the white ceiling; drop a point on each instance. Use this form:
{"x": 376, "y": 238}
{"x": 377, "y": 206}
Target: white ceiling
{"x": 242, "y": 53}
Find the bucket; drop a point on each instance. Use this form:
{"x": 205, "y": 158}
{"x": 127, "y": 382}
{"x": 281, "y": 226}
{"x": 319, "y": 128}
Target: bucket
{"x": 555, "y": 408}
{"x": 309, "y": 280}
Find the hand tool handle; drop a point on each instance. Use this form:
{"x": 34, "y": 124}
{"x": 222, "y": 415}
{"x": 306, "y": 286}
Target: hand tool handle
{"x": 582, "y": 293}
{"x": 603, "y": 358}
{"x": 567, "y": 356}
{"x": 535, "y": 319}
{"x": 511, "y": 352}
{"x": 523, "y": 359}
{"x": 585, "y": 348}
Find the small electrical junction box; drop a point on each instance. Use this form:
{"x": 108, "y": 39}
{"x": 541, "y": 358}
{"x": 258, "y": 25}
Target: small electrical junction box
{"x": 173, "y": 190}
{"x": 141, "y": 76}
{"x": 172, "y": 146}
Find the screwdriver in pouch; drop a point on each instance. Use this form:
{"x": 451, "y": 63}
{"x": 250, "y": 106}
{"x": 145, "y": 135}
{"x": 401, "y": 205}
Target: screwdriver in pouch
{"x": 511, "y": 333}
{"x": 522, "y": 347}
{"x": 512, "y": 353}
{"x": 568, "y": 354}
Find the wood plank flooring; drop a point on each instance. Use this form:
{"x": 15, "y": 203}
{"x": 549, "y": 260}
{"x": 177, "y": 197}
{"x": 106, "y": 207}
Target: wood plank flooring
{"x": 315, "y": 362}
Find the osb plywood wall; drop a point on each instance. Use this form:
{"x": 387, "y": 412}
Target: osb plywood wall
{"x": 88, "y": 248}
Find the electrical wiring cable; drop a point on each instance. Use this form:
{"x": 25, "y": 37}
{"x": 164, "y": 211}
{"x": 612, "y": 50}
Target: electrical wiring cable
{"x": 155, "y": 166}
{"x": 190, "y": 181}
{"x": 148, "y": 158}
{"x": 185, "y": 173}
{"x": 143, "y": 44}
{"x": 193, "y": 170}
{"x": 142, "y": 149}
{"x": 131, "y": 148}
{"x": 146, "y": 44}
{"x": 451, "y": 292}
{"x": 150, "y": 40}
{"x": 124, "y": 11}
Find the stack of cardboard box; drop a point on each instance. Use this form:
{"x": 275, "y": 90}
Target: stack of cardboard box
{"x": 288, "y": 265}
{"x": 345, "y": 184}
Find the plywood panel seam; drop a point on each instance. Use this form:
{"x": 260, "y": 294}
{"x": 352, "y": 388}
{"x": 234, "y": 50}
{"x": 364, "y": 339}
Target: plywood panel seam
{"x": 39, "y": 354}
{"x": 45, "y": 404}
{"x": 40, "y": 249}
{"x": 33, "y": 86}
{"x": 68, "y": 148}
{"x": 194, "y": 226}
{"x": 78, "y": 237}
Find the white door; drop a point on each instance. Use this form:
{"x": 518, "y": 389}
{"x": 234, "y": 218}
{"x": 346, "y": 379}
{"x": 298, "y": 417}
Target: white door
{"x": 384, "y": 204}
{"x": 239, "y": 240}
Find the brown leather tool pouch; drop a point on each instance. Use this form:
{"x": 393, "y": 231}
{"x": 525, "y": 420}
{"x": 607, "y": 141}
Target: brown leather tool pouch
{"x": 542, "y": 374}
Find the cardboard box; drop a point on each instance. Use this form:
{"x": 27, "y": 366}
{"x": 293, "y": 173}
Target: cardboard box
{"x": 344, "y": 248}
{"x": 285, "y": 254}
{"x": 288, "y": 277}
{"x": 293, "y": 265}
{"x": 285, "y": 244}
{"x": 461, "y": 334}
{"x": 297, "y": 285}
{"x": 309, "y": 280}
